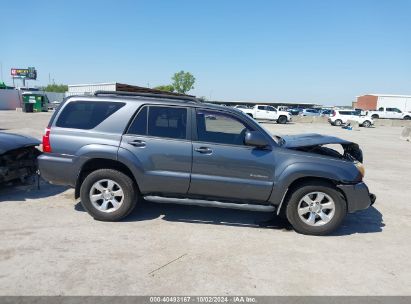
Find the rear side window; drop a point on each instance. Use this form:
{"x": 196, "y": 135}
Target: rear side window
{"x": 139, "y": 124}
{"x": 86, "y": 115}
{"x": 345, "y": 113}
{"x": 167, "y": 122}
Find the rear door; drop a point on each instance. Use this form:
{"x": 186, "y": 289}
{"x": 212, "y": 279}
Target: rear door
{"x": 261, "y": 112}
{"x": 159, "y": 138}
{"x": 223, "y": 167}
{"x": 345, "y": 116}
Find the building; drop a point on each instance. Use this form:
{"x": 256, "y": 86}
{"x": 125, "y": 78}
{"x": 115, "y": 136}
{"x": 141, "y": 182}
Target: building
{"x": 273, "y": 103}
{"x": 10, "y": 99}
{"x": 375, "y": 101}
{"x": 90, "y": 89}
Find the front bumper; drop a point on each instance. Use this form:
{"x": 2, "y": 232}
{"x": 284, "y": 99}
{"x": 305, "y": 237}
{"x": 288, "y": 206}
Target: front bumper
{"x": 358, "y": 197}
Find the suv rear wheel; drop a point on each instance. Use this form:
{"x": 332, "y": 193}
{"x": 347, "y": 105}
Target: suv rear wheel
{"x": 108, "y": 195}
{"x": 316, "y": 209}
{"x": 338, "y": 122}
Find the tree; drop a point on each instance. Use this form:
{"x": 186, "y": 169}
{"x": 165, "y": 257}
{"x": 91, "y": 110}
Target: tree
{"x": 183, "y": 82}
{"x": 58, "y": 88}
{"x": 167, "y": 88}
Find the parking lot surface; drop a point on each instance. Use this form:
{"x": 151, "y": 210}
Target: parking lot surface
{"x": 50, "y": 246}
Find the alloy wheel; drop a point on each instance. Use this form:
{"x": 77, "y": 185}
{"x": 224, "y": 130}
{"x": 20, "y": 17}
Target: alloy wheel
{"x": 316, "y": 209}
{"x": 106, "y": 195}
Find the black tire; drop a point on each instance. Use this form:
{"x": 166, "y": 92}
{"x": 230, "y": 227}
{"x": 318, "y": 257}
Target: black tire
{"x": 366, "y": 124}
{"x": 127, "y": 185}
{"x": 338, "y": 122}
{"x": 407, "y": 117}
{"x": 282, "y": 119}
{"x": 375, "y": 116}
{"x": 251, "y": 115}
{"x": 299, "y": 225}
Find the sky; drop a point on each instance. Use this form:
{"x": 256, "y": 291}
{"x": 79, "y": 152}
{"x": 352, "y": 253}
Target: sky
{"x": 321, "y": 51}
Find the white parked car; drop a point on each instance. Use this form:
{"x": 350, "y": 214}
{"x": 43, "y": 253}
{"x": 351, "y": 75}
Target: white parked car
{"x": 340, "y": 117}
{"x": 392, "y": 113}
{"x": 265, "y": 112}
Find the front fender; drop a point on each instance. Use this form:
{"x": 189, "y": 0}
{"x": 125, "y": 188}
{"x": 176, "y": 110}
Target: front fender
{"x": 299, "y": 166}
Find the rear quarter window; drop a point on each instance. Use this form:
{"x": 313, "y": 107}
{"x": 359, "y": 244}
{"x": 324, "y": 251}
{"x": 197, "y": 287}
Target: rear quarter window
{"x": 86, "y": 115}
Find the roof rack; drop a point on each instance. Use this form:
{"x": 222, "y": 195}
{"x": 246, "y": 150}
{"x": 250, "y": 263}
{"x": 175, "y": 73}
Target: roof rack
{"x": 136, "y": 94}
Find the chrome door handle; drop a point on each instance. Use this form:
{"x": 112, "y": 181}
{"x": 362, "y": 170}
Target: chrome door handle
{"x": 137, "y": 143}
{"x": 204, "y": 150}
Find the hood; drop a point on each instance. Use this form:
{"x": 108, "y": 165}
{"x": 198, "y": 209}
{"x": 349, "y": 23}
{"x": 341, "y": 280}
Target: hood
{"x": 10, "y": 142}
{"x": 313, "y": 143}
{"x": 312, "y": 139}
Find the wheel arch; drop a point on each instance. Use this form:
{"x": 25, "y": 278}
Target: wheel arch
{"x": 285, "y": 117}
{"x": 302, "y": 181}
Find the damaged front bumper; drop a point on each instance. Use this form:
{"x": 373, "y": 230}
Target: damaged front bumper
{"x": 358, "y": 196}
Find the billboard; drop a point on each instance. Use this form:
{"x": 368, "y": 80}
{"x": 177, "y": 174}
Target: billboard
{"x": 29, "y": 73}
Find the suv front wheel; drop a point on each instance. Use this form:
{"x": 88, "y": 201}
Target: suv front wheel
{"x": 316, "y": 209}
{"x": 282, "y": 119}
{"x": 108, "y": 195}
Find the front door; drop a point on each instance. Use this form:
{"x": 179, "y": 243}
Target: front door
{"x": 159, "y": 139}
{"x": 223, "y": 167}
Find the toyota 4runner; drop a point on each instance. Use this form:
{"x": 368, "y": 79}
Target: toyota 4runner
{"x": 117, "y": 148}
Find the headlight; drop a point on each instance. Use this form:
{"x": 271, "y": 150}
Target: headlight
{"x": 360, "y": 168}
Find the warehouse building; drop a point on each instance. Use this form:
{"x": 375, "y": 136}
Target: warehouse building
{"x": 272, "y": 103}
{"x": 376, "y": 101}
{"x": 90, "y": 89}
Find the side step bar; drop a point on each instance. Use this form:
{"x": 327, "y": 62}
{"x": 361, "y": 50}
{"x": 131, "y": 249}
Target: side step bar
{"x": 204, "y": 203}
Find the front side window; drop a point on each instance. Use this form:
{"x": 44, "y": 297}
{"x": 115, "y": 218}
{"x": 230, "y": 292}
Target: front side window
{"x": 86, "y": 115}
{"x": 222, "y": 128}
{"x": 158, "y": 121}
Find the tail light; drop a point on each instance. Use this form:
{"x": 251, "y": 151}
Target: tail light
{"x": 333, "y": 114}
{"x": 46, "y": 141}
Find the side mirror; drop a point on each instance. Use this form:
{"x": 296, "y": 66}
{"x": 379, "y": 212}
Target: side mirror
{"x": 256, "y": 139}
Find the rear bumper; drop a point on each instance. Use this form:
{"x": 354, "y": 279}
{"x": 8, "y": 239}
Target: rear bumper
{"x": 57, "y": 170}
{"x": 358, "y": 197}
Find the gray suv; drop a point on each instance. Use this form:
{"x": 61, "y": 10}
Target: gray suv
{"x": 117, "y": 148}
